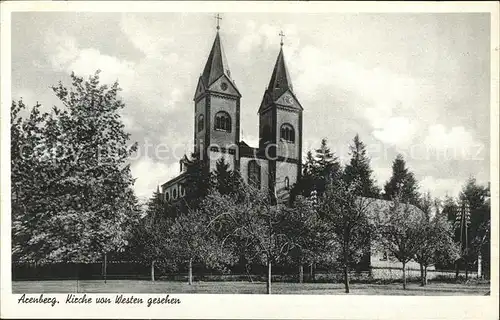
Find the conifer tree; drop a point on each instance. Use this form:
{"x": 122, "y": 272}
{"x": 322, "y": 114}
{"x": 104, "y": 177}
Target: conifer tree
{"x": 224, "y": 179}
{"x": 197, "y": 183}
{"x": 307, "y": 183}
{"x": 359, "y": 169}
{"x": 477, "y": 231}
{"x": 326, "y": 166}
{"x": 402, "y": 183}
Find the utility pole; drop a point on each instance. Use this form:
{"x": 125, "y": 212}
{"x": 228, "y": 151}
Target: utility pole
{"x": 466, "y": 215}
{"x": 462, "y": 221}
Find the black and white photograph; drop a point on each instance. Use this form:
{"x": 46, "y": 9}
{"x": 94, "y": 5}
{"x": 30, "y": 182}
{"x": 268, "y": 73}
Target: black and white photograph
{"x": 156, "y": 157}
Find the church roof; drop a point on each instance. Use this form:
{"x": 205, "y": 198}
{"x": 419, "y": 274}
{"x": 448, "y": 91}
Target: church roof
{"x": 216, "y": 65}
{"x": 279, "y": 86}
{"x": 246, "y": 151}
{"x": 280, "y": 79}
{"x": 382, "y": 208}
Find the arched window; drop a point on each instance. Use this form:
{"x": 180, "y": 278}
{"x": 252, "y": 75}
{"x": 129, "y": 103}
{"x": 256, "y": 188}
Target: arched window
{"x": 167, "y": 196}
{"x": 287, "y": 183}
{"x": 287, "y": 133}
{"x": 222, "y": 121}
{"x": 254, "y": 174}
{"x": 174, "y": 194}
{"x": 182, "y": 191}
{"x": 201, "y": 122}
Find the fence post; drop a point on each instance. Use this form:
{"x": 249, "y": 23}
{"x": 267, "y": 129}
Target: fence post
{"x": 479, "y": 266}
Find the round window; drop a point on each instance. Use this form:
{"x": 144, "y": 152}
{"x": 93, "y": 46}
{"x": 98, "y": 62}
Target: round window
{"x": 223, "y": 86}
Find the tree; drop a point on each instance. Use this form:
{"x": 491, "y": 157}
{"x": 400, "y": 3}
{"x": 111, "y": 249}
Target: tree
{"x": 436, "y": 245}
{"x": 345, "y": 216}
{"x": 254, "y": 219}
{"x": 306, "y": 185}
{"x": 475, "y": 231}
{"x": 222, "y": 176}
{"x": 326, "y": 166}
{"x": 426, "y": 204}
{"x": 81, "y": 203}
{"x": 402, "y": 183}
{"x": 450, "y": 209}
{"x": 359, "y": 169}
{"x": 197, "y": 183}
{"x": 304, "y": 229}
{"x": 398, "y": 232}
{"x": 308, "y": 168}
{"x": 224, "y": 180}
{"x": 28, "y": 180}
{"x": 151, "y": 237}
{"x": 194, "y": 239}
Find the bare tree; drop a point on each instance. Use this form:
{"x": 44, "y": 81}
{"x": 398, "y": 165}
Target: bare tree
{"x": 194, "y": 241}
{"x": 346, "y": 221}
{"x": 398, "y": 232}
{"x": 436, "y": 243}
{"x": 304, "y": 228}
{"x": 252, "y": 217}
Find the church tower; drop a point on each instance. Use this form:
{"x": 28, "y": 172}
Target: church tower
{"x": 280, "y": 128}
{"x": 217, "y": 110}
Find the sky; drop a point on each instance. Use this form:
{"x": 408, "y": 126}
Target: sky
{"x": 415, "y": 84}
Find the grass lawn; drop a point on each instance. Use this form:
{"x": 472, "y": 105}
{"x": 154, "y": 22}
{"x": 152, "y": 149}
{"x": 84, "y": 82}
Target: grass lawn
{"x": 143, "y": 286}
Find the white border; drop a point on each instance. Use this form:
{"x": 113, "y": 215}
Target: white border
{"x": 255, "y": 306}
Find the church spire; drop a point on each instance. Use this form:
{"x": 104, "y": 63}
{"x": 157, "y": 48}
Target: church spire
{"x": 216, "y": 65}
{"x": 280, "y": 79}
{"x": 279, "y": 85}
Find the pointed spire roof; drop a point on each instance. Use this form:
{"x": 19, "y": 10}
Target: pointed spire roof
{"x": 216, "y": 65}
{"x": 279, "y": 85}
{"x": 280, "y": 79}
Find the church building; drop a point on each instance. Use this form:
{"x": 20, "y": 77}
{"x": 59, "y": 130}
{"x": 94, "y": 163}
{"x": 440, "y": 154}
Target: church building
{"x": 275, "y": 164}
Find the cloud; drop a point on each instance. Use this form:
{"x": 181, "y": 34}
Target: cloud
{"x": 66, "y": 55}
{"x": 113, "y": 68}
{"x": 439, "y": 137}
{"x": 398, "y": 131}
{"x": 381, "y": 174}
{"x": 151, "y": 43}
{"x": 266, "y": 36}
{"x": 440, "y": 187}
{"x": 384, "y": 99}
{"x": 251, "y": 39}
{"x": 142, "y": 79}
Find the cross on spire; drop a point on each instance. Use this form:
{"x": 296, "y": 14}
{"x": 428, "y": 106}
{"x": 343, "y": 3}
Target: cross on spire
{"x": 282, "y": 35}
{"x": 218, "y": 18}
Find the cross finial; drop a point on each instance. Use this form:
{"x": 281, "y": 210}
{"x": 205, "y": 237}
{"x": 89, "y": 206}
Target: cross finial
{"x": 218, "y": 18}
{"x": 282, "y": 35}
